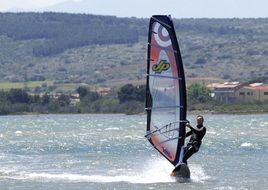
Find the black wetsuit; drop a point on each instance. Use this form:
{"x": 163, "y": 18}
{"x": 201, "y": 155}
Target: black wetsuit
{"x": 195, "y": 141}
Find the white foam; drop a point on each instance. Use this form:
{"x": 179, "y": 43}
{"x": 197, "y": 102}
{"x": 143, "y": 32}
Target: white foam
{"x": 246, "y": 144}
{"x": 160, "y": 170}
{"x": 225, "y": 188}
{"x": 5, "y": 172}
{"x": 133, "y": 137}
{"x": 212, "y": 132}
{"x": 156, "y": 171}
{"x": 112, "y": 129}
{"x": 198, "y": 174}
{"x": 18, "y": 133}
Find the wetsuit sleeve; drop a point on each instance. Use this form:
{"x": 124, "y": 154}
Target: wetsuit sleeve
{"x": 189, "y": 133}
{"x": 198, "y": 131}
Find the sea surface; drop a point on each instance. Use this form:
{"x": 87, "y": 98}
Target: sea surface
{"x": 109, "y": 151}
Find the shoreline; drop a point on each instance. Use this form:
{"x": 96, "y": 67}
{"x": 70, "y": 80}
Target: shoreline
{"x": 193, "y": 112}
{"x": 246, "y": 112}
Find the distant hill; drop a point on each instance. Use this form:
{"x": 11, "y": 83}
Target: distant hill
{"x": 96, "y": 49}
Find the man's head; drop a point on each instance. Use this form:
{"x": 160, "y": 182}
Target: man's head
{"x": 199, "y": 120}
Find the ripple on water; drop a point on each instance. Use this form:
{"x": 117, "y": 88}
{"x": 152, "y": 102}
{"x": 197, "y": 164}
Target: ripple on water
{"x": 112, "y": 129}
{"x": 246, "y": 144}
{"x": 112, "y": 148}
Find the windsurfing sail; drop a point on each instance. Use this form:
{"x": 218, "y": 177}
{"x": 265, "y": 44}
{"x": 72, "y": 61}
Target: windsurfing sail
{"x": 165, "y": 90}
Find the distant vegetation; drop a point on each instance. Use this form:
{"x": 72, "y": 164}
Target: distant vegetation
{"x": 46, "y": 53}
{"x": 198, "y": 93}
{"x": 104, "y": 50}
{"x": 129, "y": 99}
{"x": 64, "y": 31}
{"x": 17, "y": 101}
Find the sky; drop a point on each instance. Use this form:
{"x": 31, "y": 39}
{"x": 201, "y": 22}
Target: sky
{"x": 146, "y": 8}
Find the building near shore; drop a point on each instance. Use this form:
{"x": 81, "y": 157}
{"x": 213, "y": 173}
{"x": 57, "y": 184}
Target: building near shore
{"x": 253, "y": 92}
{"x": 226, "y": 92}
{"x": 235, "y": 92}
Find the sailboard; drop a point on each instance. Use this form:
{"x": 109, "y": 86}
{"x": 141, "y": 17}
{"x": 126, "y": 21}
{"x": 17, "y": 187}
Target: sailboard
{"x": 165, "y": 91}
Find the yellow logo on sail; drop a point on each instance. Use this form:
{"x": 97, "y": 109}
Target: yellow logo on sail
{"x": 163, "y": 65}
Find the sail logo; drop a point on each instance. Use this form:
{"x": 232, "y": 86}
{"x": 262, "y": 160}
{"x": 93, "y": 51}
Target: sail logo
{"x": 161, "y": 35}
{"x": 163, "y": 65}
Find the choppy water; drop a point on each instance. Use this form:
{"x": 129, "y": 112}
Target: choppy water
{"x": 110, "y": 152}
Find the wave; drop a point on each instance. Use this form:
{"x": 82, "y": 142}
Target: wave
{"x": 246, "y": 144}
{"x": 156, "y": 171}
{"x": 112, "y": 129}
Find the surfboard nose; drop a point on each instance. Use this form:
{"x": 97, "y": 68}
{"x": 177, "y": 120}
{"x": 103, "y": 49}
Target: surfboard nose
{"x": 181, "y": 171}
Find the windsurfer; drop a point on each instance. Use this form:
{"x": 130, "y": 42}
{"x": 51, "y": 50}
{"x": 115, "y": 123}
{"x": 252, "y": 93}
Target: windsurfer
{"x": 195, "y": 141}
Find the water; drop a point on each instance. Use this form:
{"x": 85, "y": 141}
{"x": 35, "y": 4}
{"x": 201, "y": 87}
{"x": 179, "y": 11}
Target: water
{"x": 110, "y": 152}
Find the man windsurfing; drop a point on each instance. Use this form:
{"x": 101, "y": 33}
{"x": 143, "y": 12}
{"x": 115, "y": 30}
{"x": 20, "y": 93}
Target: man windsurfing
{"x": 192, "y": 147}
{"x": 195, "y": 141}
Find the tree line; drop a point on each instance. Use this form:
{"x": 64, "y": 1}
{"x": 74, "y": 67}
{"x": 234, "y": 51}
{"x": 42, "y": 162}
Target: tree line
{"x": 57, "y": 32}
{"x": 61, "y": 31}
{"x": 129, "y": 99}
{"x": 17, "y": 101}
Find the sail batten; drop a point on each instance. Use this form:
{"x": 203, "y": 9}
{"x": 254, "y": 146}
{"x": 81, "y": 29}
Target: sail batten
{"x": 165, "y": 90}
{"x": 166, "y": 49}
{"x": 155, "y": 108}
{"x": 163, "y": 76}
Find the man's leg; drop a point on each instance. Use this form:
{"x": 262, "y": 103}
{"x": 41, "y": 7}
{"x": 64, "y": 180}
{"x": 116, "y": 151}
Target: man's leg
{"x": 188, "y": 153}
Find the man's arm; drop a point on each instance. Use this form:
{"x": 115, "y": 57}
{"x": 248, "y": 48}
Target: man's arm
{"x": 189, "y": 133}
{"x": 196, "y": 130}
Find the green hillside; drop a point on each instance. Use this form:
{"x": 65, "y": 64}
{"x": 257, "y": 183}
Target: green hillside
{"x": 104, "y": 50}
